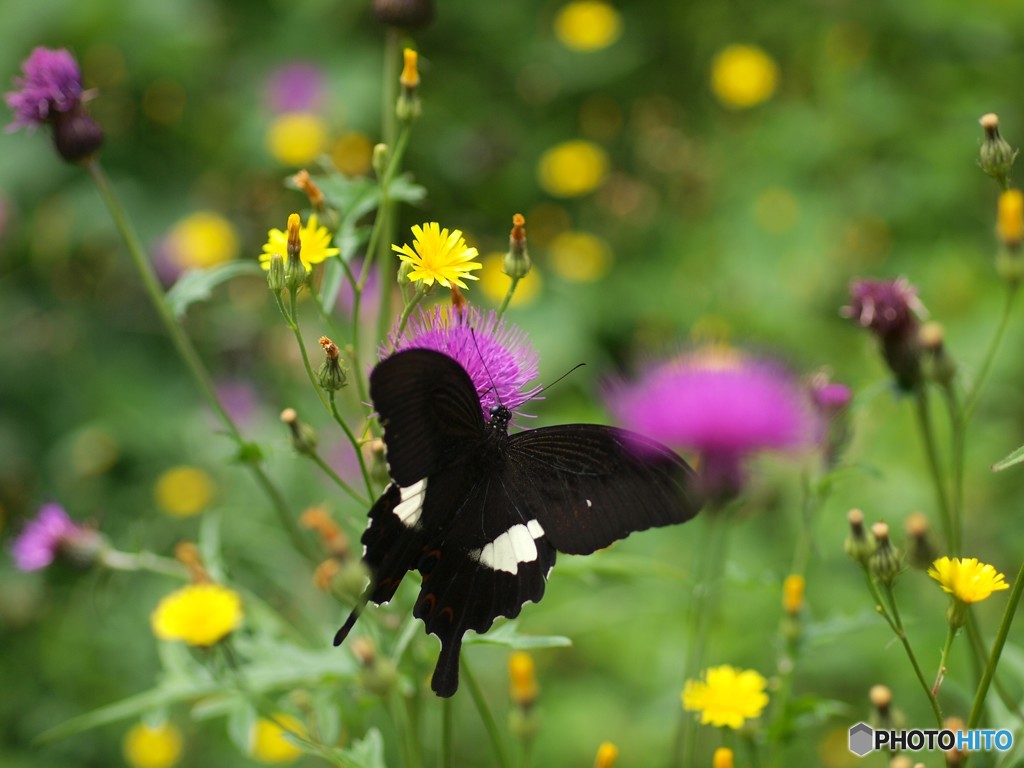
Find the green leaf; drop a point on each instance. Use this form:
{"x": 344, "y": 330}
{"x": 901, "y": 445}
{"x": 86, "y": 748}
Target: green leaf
{"x": 198, "y": 284}
{"x": 508, "y": 635}
{"x": 1014, "y": 458}
{"x": 368, "y": 752}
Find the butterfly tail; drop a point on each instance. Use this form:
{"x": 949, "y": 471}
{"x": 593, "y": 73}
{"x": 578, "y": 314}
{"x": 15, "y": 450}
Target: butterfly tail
{"x": 341, "y": 634}
{"x": 446, "y": 674}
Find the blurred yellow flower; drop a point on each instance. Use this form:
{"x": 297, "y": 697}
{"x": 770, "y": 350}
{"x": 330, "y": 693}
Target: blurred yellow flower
{"x": 1010, "y": 220}
{"x": 723, "y": 758}
{"x": 588, "y": 25}
{"x": 522, "y": 679}
{"x": 198, "y": 614}
{"x": 726, "y": 696}
{"x": 202, "y": 239}
{"x": 966, "y": 579}
{"x": 743, "y": 76}
{"x": 268, "y": 744}
{"x": 607, "y": 754}
{"x": 352, "y": 153}
{"x": 184, "y": 491}
{"x": 297, "y": 138}
{"x": 580, "y": 256}
{"x": 572, "y": 168}
{"x": 437, "y": 254}
{"x": 156, "y": 747}
{"x": 316, "y": 241}
{"x": 793, "y": 593}
{"x": 494, "y": 282}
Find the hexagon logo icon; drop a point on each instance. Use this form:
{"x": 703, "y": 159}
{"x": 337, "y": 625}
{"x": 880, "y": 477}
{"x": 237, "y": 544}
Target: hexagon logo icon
{"x": 861, "y": 739}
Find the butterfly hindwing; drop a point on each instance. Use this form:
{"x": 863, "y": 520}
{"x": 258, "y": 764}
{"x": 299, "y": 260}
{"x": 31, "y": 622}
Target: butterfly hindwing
{"x": 590, "y": 485}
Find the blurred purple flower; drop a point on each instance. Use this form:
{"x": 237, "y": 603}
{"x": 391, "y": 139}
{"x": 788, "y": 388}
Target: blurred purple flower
{"x": 371, "y": 295}
{"x": 723, "y": 405}
{"x": 51, "y": 83}
{"x": 43, "y": 537}
{"x": 297, "y": 87}
{"x": 239, "y": 399}
{"x": 496, "y": 355}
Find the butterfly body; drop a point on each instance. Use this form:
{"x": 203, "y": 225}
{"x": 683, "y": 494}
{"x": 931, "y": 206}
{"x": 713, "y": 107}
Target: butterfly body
{"x": 480, "y": 513}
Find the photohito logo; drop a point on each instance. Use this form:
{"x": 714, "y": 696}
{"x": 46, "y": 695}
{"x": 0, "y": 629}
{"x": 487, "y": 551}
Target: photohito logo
{"x": 864, "y": 739}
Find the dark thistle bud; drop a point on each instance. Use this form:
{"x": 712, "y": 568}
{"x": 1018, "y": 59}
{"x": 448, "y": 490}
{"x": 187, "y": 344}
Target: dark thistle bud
{"x": 517, "y": 260}
{"x": 920, "y": 551}
{"x": 275, "y": 274}
{"x": 76, "y": 135}
{"x": 889, "y": 309}
{"x": 331, "y": 375}
{"x": 407, "y": 14}
{"x": 858, "y": 546}
{"x": 884, "y": 564}
{"x": 295, "y": 275}
{"x": 938, "y": 366}
{"x": 995, "y": 156}
{"x": 408, "y": 107}
{"x": 303, "y": 436}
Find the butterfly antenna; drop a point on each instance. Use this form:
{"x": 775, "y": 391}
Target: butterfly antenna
{"x": 483, "y": 362}
{"x": 549, "y": 386}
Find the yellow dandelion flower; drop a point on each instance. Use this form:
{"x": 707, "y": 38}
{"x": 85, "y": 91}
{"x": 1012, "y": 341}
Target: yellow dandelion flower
{"x": 723, "y": 758}
{"x": 297, "y": 138}
{"x": 152, "y": 747}
{"x": 580, "y": 256}
{"x": 201, "y": 240}
{"x": 726, "y": 696}
{"x": 494, "y": 282}
{"x": 438, "y": 255}
{"x": 267, "y": 742}
{"x": 743, "y": 76}
{"x": 199, "y": 614}
{"x": 316, "y": 241}
{"x": 966, "y": 579}
{"x": 607, "y": 754}
{"x": 183, "y": 491}
{"x": 522, "y": 679}
{"x": 572, "y": 168}
{"x": 588, "y": 25}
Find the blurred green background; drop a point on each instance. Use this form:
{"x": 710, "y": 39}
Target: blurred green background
{"x": 693, "y": 216}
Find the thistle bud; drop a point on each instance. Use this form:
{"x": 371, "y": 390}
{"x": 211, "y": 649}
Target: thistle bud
{"x": 275, "y": 275}
{"x": 295, "y": 275}
{"x": 517, "y": 261}
{"x": 303, "y": 436}
{"x": 406, "y": 14}
{"x": 331, "y": 375}
{"x": 76, "y": 135}
{"x": 408, "y": 107}
{"x": 889, "y": 309}
{"x": 995, "y": 156}
{"x": 858, "y": 546}
{"x": 920, "y": 550}
{"x": 936, "y": 363}
{"x": 884, "y": 564}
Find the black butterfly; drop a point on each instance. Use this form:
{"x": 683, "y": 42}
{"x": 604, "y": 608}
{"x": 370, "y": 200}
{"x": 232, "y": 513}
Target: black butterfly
{"x": 480, "y": 513}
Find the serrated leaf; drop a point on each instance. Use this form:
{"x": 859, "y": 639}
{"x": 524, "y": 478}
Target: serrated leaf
{"x": 198, "y": 284}
{"x": 368, "y": 752}
{"x": 1016, "y": 457}
{"x": 508, "y": 635}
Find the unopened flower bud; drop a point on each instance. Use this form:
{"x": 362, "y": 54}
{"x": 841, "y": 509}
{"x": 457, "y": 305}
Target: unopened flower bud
{"x": 364, "y": 650}
{"x": 331, "y": 375}
{"x": 1010, "y": 219}
{"x": 325, "y": 573}
{"x": 937, "y": 365}
{"x": 303, "y": 436}
{"x": 408, "y": 107}
{"x": 889, "y": 309}
{"x": 319, "y": 520}
{"x": 275, "y": 274}
{"x": 522, "y": 679}
{"x": 295, "y": 275}
{"x": 407, "y": 14}
{"x": 459, "y": 303}
{"x": 955, "y": 757}
{"x": 723, "y": 758}
{"x": 607, "y": 754}
{"x": 858, "y": 546}
{"x": 379, "y": 159}
{"x": 920, "y": 551}
{"x": 305, "y": 184}
{"x": 377, "y": 459}
{"x": 884, "y": 716}
{"x": 517, "y": 261}
{"x": 187, "y": 553}
{"x": 996, "y": 156}
{"x": 884, "y": 564}
{"x": 76, "y": 135}
{"x": 404, "y": 269}
{"x": 352, "y": 578}
{"x": 380, "y": 677}
{"x": 793, "y": 594}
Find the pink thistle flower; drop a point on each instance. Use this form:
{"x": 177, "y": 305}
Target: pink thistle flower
{"x": 722, "y": 404}
{"x": 497, "y": 355}
{"x": 890, "y": 309}
{"x": 52, "y": 83}
{"x": 45, "y": 536}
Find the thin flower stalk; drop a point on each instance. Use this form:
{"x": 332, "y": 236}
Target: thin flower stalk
{"x": 326, "y": 469}
{"x": 490, "y": 724}
{"x": 897, "y": 624}
{"x": 190, "y": 357}
{"x": 355, "y": 444}
{"x": 971, "y": 398}
{"x": 924, "y": 423}
{"x": 943, "y": 659}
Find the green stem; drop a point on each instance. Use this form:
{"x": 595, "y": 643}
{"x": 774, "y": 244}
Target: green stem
{"x": 188, "y": 353}
{"x": 924, "y": 422}
{"x": 445, "y": 756}
{"x": 117, "y": 560}
{"x": 404, "y": 319}
{"x": 958, "y": 429}
{"x": 355, "y": 444}
{"x": 490, "y": 725}
{"x": 325, "y": 467}
{"x": 293, "y": 317}
{"x": 386, "y": 212}
{"x": 978, "y": 658}
{"x": 508, "y": 296}
{"x": 944, "y": 659}
{"x": 971, "y": 400}
{"x": 901, "y": 633}
{"x": 997, "y": 649}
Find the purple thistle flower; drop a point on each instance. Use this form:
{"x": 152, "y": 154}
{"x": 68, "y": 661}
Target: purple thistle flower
{"x": 496, "y": 355}
{"x": 52, "y": 83}
{"x": 296, "y": 87}
{"x": 723, "y": 405}
{"x": 43, "y": 537}
{"x": 889, "y": 309}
